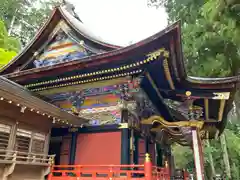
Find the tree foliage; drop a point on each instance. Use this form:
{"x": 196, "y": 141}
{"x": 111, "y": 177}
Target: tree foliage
{"x": 21, "y": 19}
{"x": 24, "y": 17}
{"x": 7, "y": 42}
{"x": 211, "y": 45}
{"x": 9, "y": 46}
{"x": 184, "y": 155}
{"x": 6, "y": 56}
{"x": 214, "y": 25}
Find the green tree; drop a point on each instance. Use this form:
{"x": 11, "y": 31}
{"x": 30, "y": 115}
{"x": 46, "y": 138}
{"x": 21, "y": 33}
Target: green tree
{"x": 24, "y": 17}
{"x": 6, "y": 56}
{"x": 9, "y": 46}
{"x": 211, "y": 45}
{"x": 215, "y": 27}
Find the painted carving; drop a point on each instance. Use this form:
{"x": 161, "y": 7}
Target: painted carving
{"x": 101, "y": 105}
{"x": 185, "y": 108}
{"x": 144, "y": 108}
{"x": 61, "y": 49}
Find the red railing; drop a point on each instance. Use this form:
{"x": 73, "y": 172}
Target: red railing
{"x": 102, "y": 172}
{"x": 185, "y": 175}
{"x": 145, "y": 171}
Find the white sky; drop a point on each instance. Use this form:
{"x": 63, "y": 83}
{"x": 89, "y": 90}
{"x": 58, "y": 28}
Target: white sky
{"x": 121, "y": 21}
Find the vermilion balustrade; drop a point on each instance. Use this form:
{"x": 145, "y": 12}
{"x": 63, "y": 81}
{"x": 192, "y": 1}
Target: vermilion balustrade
{"x": 185, "y": 175}
{"x": 111, "y": 172}
{"x": 68, "y": 172}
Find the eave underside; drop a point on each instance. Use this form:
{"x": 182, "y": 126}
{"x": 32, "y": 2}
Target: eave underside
{"x": 26, "y": 101}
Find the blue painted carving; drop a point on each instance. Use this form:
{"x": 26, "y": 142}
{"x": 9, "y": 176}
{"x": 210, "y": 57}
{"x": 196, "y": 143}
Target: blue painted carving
{"x": 76, "y": 99}
{"x": 61, "y": 49}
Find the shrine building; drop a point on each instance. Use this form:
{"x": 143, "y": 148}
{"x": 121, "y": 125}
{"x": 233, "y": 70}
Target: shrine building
{"x": 75, "y": 106}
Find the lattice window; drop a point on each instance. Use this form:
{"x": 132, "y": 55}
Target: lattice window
{"x": 23, "y": 139}
{"x": 38, "y": 143}
{"x": 5, "y": 131}
{"x": 4, "y": 135}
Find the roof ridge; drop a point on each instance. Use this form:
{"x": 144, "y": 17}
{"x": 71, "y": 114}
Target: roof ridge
{"x": 70, "y": 8}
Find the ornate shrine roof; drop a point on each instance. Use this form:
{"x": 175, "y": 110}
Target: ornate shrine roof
{"x": 61, "y": 19}
{"x": 157, "y": 61}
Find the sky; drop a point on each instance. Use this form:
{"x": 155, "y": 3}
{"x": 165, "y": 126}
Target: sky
{"x": 121, "y": 21}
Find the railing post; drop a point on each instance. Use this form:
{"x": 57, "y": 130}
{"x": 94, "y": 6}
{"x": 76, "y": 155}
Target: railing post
{"x": 51, "y": 163}
{"x": 147, "y": 167}
{"x": 185, "y": 175}
{"x": 110, "y": 174}
{"x": 15, "y": 156}
{"x": 50, "y": 175}
{"x": 167, "y": 170}
{"x": 78, "y": 169}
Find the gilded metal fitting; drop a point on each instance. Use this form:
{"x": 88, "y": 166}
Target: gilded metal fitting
{"x": 147, "y": 157}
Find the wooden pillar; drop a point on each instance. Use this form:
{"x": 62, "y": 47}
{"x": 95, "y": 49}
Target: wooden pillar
{"x": 198, "y": 154}
{"x": 171, "y": 161}
{"x": 73, "y": 146}
{"x": 47, "y": 142}
{"x": 168, "y": 160}
{"x": 12, "y": 138}
{"x": 125, "y": 139}
{"x": 31, "y": 143}
{"x": 159, "y": 155}
{"x": 125, "y": 146}
{"x": 136, "y": 148}
{"x": 146, "y": 145}
{"x": 172, "y": 165}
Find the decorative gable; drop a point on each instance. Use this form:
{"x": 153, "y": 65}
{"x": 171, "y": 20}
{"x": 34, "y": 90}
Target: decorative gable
{"x": 61, "y": 39}
{"x": 61, "y": 49}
